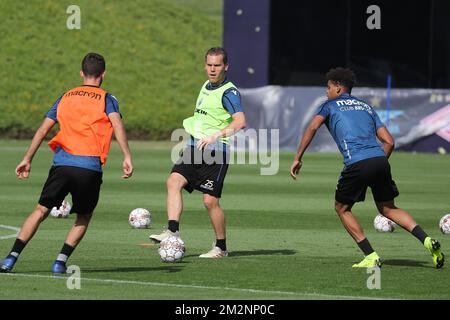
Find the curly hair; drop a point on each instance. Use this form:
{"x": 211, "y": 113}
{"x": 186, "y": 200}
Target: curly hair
{"x": 342, "y": 76}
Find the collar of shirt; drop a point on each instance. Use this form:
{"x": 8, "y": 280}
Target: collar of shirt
{"x": 211, "y": 86}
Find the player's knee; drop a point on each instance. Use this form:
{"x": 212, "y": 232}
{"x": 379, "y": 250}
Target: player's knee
{"x": 338, "y": 208}
{"x": 210, "y": 202}
{"x": 174, "y": 183}
{"x": 42, "y": 212}
{"x": 341, "y": 208}
{"x": 83, "y": 219}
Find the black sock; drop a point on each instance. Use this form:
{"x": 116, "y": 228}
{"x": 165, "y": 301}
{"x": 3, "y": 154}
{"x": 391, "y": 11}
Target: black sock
{"x": 365, "y": 247}
{"x": 17, "y": 248}
{"x": 419, "y": 233}
{"x": 65, "y": 253}
{"x": 174, "y": 225}
{"x": 222, "y": 244}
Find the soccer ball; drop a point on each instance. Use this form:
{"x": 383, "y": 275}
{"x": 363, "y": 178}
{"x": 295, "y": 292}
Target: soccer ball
{"x": 444, "y": 224}
{"x": 63, "y": 211}
{"x": 383, "y": 224}
{"x": 140, "y": 218}
{"x": 172, "y": 249}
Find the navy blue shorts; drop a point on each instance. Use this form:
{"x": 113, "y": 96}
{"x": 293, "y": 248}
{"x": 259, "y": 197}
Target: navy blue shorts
{"x": 204, "y": 170}
{"x": 374, "y": 173}
{"x": 82, "y": 184}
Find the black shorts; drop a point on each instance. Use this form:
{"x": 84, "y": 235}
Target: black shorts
{"x": 374, "y": 173}
{"x": 205, "y": 170}
{"x": 82, "y": 184}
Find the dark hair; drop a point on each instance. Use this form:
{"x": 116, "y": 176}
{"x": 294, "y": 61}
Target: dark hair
{"x": 215, "y": 51}
{"x": 93, "y": 65}
{"x": 342, "y": 76}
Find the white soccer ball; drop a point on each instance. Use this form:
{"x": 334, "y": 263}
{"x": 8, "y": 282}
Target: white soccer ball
{"x": 383, "y": 224}
{"x": 172, "y": 249}
{"x": 444, "y": 224}
{"x": 140, "y": 218}
{"x": 63, "y": 211}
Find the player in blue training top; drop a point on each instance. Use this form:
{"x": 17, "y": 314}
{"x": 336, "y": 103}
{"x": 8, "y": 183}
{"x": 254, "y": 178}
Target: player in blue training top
{"x": 355, "y": 127}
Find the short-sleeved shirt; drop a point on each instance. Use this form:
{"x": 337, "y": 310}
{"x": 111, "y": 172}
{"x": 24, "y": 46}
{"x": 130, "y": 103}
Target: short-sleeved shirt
{"x": 353, "y": 124}
{"x": 231, "y": 101}
{"x": 63, "y": 158}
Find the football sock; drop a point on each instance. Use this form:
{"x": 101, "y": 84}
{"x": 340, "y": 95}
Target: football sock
{"x": 65, "y": 253}
{"x": 17, "y": 248}
{"x": 365, "y": 247}
{"x": 174, "y": 225}
{"x": 419, "y": 233}
{"x": 222, "y": 244}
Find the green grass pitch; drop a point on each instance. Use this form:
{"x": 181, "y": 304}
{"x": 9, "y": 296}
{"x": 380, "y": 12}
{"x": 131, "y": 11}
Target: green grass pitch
{"x": 284, "y": 238}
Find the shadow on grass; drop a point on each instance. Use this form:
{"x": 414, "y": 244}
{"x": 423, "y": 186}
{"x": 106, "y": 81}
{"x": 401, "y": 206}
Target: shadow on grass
{"x": 261, "y": 253}
{"x": 407, "y": 263}
{"x": 169, "y": 269}
{"x": 253, "y": 253}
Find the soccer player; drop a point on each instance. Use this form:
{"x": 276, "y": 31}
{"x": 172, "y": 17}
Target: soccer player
{"x": 204, "y": 163}
{"x": 87, "y": 117}
{"x": 355, "y": 127}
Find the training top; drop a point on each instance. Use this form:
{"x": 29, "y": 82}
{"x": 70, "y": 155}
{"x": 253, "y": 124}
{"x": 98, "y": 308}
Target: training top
{"x": 214, "y": 109}
{"x": 63, "y": 157}
{"x": 353, "y": 124}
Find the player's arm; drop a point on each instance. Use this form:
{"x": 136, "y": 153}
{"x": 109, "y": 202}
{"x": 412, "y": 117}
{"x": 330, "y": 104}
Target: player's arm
{"x": 237, "y": 124}
{"x": 24, "y": 167}
{"x": 386, "y": 139}
{"x": 122, "y": 140}
{"x": 308, "y": 136}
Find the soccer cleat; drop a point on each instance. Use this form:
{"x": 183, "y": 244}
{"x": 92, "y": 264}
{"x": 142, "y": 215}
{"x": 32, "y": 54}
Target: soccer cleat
{"x": 8, "y": 264}
{"x": 435, "y": 249}
{"x": 370, "y": 261}
{"x": 214, "y": 253}
{"x": 59, "y": 267}
{"x": 157, "y": 238}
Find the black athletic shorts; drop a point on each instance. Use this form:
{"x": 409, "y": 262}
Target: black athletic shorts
{"x": 374, "y": 173}
{"x": 82, "y": 184}
{"x": 204, "y": 170}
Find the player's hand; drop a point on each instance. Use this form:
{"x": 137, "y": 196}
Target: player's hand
{"x": 23, "y": 169}
{"x": 127, "y": 168}
{"x": 295, "y": 168}
{"x": 207, "y": 140}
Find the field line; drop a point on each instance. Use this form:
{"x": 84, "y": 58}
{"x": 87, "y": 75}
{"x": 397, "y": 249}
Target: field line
{"x": 188, "y": 286}
{"x": 10, "y": 235}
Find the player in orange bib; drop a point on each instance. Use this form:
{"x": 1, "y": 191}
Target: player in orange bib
{"x": 87, "y": 116}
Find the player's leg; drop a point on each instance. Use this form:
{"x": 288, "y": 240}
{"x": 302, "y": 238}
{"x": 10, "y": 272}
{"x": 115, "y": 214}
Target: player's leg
{"x": 73, "y": 238}
{"x": 52, "y": 195}
{"x": 351, "y": 188}
{"x": 384, "y": 191}
{"x": 217, "y": 217}
{"x": 355, "y": 230}
{"x": 27, "y": 232}
{"x": 84, "y": 185}
{"x": 407, "y": 222}
{"x": 175, "y": 184}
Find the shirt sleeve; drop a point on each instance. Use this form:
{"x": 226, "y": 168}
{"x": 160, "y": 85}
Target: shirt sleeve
{"x": 378, "y": 123}
{"x": 52, "y": 113}
{"x": 324, "y": 110}
{"x": 112, "y": 105}
{"x": 231, "y": 101}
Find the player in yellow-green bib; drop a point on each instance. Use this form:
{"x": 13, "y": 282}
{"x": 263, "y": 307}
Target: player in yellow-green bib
{"x": 218, "y": 114}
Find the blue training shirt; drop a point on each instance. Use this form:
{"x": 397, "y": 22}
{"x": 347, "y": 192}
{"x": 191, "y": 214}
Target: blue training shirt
{"x": 231, "y": 101}
{"x": 63, "y": 158}
{"x": 353, "y": 124}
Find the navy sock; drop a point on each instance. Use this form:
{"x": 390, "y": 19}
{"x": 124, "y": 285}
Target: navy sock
{"x": 419, "y": 233}
{"x": 174, "y": 225}
{"x": 222, "y": 244}
{"x": 65, "y": 253}
{"x": 17, "y": 248}
{"x": 365, "y": 247}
